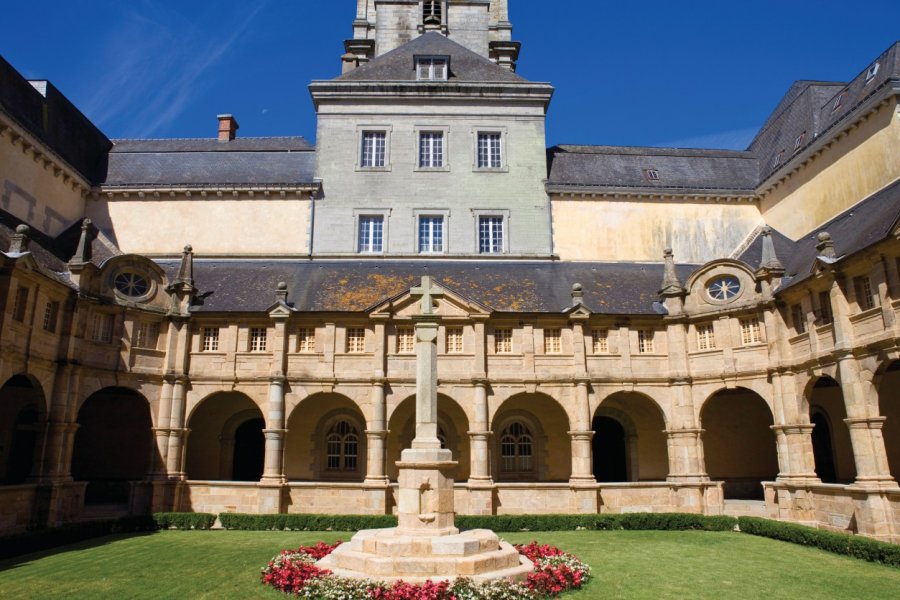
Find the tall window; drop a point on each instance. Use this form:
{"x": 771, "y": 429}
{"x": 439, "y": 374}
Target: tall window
{"x": 373, "y": 149}
{"x": 553, "y": 341}
{"x": 431, "y": 235}
{"x": 431, "y": 12}
{"x": 516, "y": 449}
{"x": 600, "y": 341}
{"x": 431, "y": 150}
{"x": 356, "y": 340}
{"x": 454, "y": 340}
{"x": 210, "y": 341}
{"x": 102, "y": 328}
{"x": 371, "y": 234}
{"x": 342, "y": 446}
{"x": 825, "y": 314}
{"x": 865, "y": 297}
{"x": 490, "y": 235}
{"x": 490, "y": 154}
{"x": 306, "y": 339}
{"x": 750, "y": 331}
{"x": 406, "y": 340}
{"x": 258, "y": 339}
{"x": 503, "y": 341}
{"x": 645, "y": 341}
{"x": 51, "y": 315}
{"x": 147, "y": 335}
{"x": 431, "y": 68}
{"x": 706, "y": 338}
{"x": 798, "y": 317}
{"x": 21, "y": 304}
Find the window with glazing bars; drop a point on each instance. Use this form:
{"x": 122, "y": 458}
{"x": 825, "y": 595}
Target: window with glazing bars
{"x": 51, "y": 315}
{"x": 825, "y": 315}
{"x": 600, "y": 341}
{"x": 373, "y": 149}
{"x": 489, "y": 151}
{"x": 490, "y": 235}
{"x": 406, "y": 340}
{"x": 798, "y": 317}
{"x": 431, "y": 69}
{"x": 21, "y": 304}
{"x": 356, "y": 340}
{"x": 750, "y": 331}
{"x": 147, "y": 335}
{"x": 503, "y": 341}
{"x": 306, "y": 339}
{"x": 258, "y": 338}
{"x": 102, "y": 328}
{"x": 706, "y": 337}
{"x": 371, "y": 234}
{"x": 210, "y": 339}
{"x": 553, "y": 341}
{"x": 431, "y": 235}
{"x": 342, "y": 446}
{"x": 454, "y": 340}
{"x": 516, "y": 449}
{"x": 865, "y": 297}
{"x": 431, "y": 150}
{"x": 645, "y": 341}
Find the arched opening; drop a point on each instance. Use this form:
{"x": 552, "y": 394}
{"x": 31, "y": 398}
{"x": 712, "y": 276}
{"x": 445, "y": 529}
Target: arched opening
{"x": 610, "y": 463}
{"x": 21, "y": 415}
{"x": 832, "y": 449}
{"x": 113, "y": 445}
{"x": 226, "y": 441}
{"x": 326, "y": 440}
{"x": 889, "y": 407}
{"x": 531, "y": 440}
{"x": 453, "y": 425}
{"x": 629, "y": 441}
{"x": 738, "y": 442}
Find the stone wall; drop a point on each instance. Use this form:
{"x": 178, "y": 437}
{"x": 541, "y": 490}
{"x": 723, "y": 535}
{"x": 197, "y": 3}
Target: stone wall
{"x": 16, "y": 505}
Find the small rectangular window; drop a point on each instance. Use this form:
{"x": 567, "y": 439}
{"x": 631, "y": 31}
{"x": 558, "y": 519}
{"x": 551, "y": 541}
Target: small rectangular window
{"x": 651, "y": 174}
{"x": 798, "y": 317}
{"x": 454, "y": 340}
{"x": 798, "y": 141}
{"x": 779, "y": 158}
{"x": 406, "y": 340}
{"x": 431, "y": 235}
{"x": 371, "y": 235}
{"x": 600, "y": 341}
{"x": 102, "y": 328}
{"x": 431, "y": 150}
{"x": 503, "y": 341}
{"x": 356, "y": 340}
{"x": 306, "y": 339}
{"x": 839, "y": 101}
{"x": 865, "y": 297}
{"x": 210, "y": 339}
{"x": 372, "y": 153}
{"x": 432, "y": 68}
{"x": 750, "y": 331}
{"x": 258, "y": 339}
{"x": 553, "y": 341}
{"x": 490, "y": 235}
{"x": 825, "y": 315}
{"x": 872, "y": 72}
{"x": 490, "y": 152}
{"x": 20, "y": 306}
{"x": 51, "y": 315}
{"x": 706, "y": 337}
{"x": 147, "y": 335}
{"x": 645, "y": 341}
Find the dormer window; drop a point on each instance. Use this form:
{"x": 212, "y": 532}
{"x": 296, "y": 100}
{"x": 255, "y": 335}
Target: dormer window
{"x": 432, "y": 13}
{"x": 872, "y": 72}
{"x": 432, "y": 68}
{"x": 839, "y": 101}
{"x": 779, "y": 158}
{"x": 651, "y": 174}
{"x": 799, "y": 141}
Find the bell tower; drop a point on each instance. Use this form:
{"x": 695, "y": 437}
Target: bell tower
{"x": 482, "y": 26}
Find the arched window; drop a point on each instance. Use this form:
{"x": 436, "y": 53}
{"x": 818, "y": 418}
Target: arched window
{"x": 431, "y": 12}
{"x": 342, "y": 445}
{"x": 516, "y": 449}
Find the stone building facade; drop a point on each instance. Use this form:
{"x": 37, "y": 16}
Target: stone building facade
{"x": 270, "y": 367}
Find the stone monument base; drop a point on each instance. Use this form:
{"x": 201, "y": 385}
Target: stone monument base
{"x": 388, "y": 555}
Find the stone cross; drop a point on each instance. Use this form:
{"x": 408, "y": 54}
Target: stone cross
{"x": 428, "y": 293}
{"x": 427, "y": 323}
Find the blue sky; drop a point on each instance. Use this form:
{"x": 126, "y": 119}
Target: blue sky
{"x": 701, "y": 73}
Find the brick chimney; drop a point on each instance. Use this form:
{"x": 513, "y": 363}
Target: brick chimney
{"x": 228, "y": 127}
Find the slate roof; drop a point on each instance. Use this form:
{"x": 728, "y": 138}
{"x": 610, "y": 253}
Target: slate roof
{"x": 399, "y": 64}
{"x": 353, "y": 286}
{"x": 784, "y": 249}
{"x": 616, "y": 167}
{"x": 286, "y": 161}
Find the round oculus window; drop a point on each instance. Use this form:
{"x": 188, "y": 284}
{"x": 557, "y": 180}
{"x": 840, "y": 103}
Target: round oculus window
{"x": 724, "y": 288}
{"x": 132, "y": 285}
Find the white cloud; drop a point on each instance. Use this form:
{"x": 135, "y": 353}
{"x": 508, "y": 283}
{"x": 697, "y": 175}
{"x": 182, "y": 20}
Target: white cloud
{"x": 735, "y": 139}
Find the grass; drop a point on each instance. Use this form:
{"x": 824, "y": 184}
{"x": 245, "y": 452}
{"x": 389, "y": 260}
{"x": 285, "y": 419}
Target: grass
{"x": 627, "y": 564}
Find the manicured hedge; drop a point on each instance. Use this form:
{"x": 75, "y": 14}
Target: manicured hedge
{"x": 45, "y": 539}
{"x": 830, "y": 541}
{"x": 635, "y": 521}
{"x": 305, "y": 522}
{"x": 184, "y": 520}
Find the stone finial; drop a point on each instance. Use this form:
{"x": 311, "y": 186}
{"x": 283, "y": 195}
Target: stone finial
{"x": 825, "y": 245}
{"x": 671, "y": 284}
{"x": 281, "y": 292}
{"x": 769, "y": 259}
{"x": 186, "y": 270}
{"x": 83, "y": 251}
{"x": 18, "y": 242}
{"x": 577, "y": 294}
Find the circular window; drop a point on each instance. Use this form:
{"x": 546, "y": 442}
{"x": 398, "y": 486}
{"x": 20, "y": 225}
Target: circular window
{"x": 724, "y": 288}
{"x": 132, "y": 285}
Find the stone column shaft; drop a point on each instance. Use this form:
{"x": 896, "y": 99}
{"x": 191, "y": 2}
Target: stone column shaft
{"x": 178, "y": 434}
{"x": 686, "y": 461}
{"x": 479, "y": 437}
{"x": 376, "y": 436}
{"x": 273, "y": 471}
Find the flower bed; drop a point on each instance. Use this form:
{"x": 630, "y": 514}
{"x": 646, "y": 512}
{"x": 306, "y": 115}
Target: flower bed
{"x": 295, "y": 572}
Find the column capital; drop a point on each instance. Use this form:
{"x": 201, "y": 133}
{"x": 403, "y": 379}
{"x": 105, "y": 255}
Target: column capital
{"x": 865, "y": 422}
{"x": 795, "y": 428}
{"x": 581, "y": 435}
{"x": 278, "y": 379}
{"x": 376, "y": 434}
{"x": 480, "y": 381}
{"x": 274, "y": 434}
{"x": 686, "y": 432}
{"x": 480, "y": 435}
{"x": 581, "y": 381}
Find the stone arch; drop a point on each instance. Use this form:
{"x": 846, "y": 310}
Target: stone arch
{"x": 306, "y": 441}
{"x": 641, "y": 454}
{"x": 113, "y": 444}
{"x": 226, "y": 440}
{"x": 452, "y": 422}
{"x": 738, "y": 442}
{"x": 833, "y": 454}
{"x": 888, "y": 384}
{"x": 22, "y": 418}
{"x": 548, "y": 424}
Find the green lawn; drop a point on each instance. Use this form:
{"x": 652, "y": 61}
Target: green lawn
{"x": 627, "y": 564}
